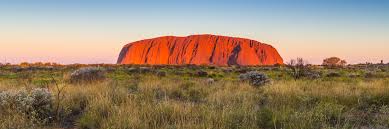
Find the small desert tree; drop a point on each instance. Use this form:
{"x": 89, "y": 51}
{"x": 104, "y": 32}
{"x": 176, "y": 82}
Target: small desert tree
{"x": 298, "y": 67}
{"x": 24, "y": 64}
{"x": 334, "y": 62}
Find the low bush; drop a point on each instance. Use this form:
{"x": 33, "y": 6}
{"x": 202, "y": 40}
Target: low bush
{"x": 265, "y": 118}
{"x": 35, "y": 105}
{"x": 87, "y": 74}
{"x": 161, "y": 74}
{"x": 202, "y": 73}
{"x": 312, "y": 75}
{"x": 333, "y": 74}
{"x": 132, "y": 70}
{"x": 210, "y": 81}
{"x": 255, "y": 78}
{"x": 382, "y": 117}
{"x": 370, "y": 75}
{"x": 145, "y": 70}
{"x": 353, "y": 75}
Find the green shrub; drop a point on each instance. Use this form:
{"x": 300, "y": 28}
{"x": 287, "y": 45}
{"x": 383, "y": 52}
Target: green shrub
{"x": 235, "y": 120}
{"x": 189, "y": 92}
{"x": 370, "y": 75}
{"x": 98, "y": 110}
{"x": 382, "y": 117}
{"x": 265, "y": 118}
{"x": 333, "y": 74}
{"x": 88, "y": 121}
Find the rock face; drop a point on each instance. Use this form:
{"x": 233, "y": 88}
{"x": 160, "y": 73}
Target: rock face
{"x": 199, "y": 50}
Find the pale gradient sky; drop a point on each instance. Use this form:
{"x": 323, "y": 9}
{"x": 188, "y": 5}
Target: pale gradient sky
{"x": 86, "y": 31}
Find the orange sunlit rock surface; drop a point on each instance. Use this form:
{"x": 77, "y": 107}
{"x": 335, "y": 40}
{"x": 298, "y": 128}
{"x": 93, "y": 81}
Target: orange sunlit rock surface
{"x": 199, "y": 50}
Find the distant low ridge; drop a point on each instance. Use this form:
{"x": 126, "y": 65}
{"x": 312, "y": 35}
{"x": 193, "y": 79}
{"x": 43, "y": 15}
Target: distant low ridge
{"x": 199, "y": 50}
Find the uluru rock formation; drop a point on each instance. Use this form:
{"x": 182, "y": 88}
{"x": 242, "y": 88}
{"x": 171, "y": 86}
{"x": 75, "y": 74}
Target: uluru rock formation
{"x": 199, "y": 50}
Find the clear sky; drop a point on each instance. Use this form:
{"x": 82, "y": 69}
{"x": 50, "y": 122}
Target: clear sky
{"x": 93, "y": 31}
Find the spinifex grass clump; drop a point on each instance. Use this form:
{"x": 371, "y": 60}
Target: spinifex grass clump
{"x": 87, "y": 75}
{"x": 255, "y": 78}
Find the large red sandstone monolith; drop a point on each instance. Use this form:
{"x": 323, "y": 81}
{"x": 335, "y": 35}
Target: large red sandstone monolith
{"x": 199, "y": 50}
